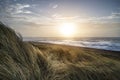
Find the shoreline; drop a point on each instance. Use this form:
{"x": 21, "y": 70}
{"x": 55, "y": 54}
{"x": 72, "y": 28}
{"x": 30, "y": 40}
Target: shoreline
{"x": 71, "y": 46}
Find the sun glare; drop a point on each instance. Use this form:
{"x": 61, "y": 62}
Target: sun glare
{"x": 67, "y": 29}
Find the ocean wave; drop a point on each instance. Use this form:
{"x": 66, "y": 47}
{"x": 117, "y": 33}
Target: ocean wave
{"x": 106, "y": 45}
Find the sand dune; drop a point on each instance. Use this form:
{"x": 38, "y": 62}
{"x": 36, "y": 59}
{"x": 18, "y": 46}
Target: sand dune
{"x": 21, "y": 60}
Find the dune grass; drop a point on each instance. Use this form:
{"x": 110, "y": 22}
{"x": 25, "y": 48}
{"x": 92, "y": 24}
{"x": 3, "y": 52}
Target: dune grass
{"x": 21, "y": 60}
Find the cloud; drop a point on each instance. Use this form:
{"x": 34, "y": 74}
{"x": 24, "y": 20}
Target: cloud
{"x": 23, "y": 12}
{"x": 113, "y": 18}
{"x": 115, "y": 15}
{"x": 55, "y": 6}
{"x": 18, "y": 8}
{"x": 19, "y": 12}
{"x": 31, "y": 18}
{"x": 57, "y": 16}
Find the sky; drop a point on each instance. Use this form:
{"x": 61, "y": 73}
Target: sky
{"x": 41, "y": 18}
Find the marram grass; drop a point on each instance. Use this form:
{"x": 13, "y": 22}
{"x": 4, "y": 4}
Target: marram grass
{"x": 21, "y": 60}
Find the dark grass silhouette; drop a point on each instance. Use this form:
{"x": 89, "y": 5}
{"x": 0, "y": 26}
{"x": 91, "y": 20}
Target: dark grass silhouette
{"x": 37, "y": 61}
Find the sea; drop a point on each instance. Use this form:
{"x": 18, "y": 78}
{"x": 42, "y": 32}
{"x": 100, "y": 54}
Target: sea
{"x": 105, "y": 43}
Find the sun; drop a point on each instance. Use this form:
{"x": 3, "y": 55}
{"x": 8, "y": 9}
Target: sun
{"x": 67, "y": 29}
